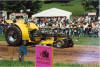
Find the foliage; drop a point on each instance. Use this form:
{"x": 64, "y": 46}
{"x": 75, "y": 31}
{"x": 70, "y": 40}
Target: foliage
{"x": 37, "y": 6}
{"x": 73, "y": 6}
{"x": 90, "y": 5}
{"x": 60, "y": 1}
{"x": 16, "y": 6}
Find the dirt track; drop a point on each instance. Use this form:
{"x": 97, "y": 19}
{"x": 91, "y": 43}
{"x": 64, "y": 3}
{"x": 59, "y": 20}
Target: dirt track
{"x": 77, "y": 54}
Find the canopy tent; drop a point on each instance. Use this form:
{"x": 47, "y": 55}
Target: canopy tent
{"x": 53, "y": 12}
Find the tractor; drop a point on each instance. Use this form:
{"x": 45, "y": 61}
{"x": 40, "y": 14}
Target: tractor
{"x": 29, "y": 32}
{"x": 19, "y": 31}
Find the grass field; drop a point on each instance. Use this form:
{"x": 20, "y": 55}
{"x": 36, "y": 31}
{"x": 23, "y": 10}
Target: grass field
{"x": 81, "y": 40}
{"x": 74, "y": 6}
{"x": 86, "y": 40}
{"x": 2, "y": 37}
{"x": 10, "y": 63}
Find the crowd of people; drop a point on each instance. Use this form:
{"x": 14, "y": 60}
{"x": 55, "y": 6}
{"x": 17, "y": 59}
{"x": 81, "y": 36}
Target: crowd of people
{"x": 77, "y": 26}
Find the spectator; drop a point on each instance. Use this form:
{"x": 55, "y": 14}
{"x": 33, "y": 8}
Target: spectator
{"x": 99, "y": 19}
{"x": 79, "y": 26}
{"x": 89, "y": 29}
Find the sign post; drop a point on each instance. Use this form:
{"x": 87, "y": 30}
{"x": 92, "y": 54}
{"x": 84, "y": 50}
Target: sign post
{"x": 43, "y": 56}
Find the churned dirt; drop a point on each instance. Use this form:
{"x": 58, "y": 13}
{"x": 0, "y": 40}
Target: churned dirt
{"x": 77, "y": 54}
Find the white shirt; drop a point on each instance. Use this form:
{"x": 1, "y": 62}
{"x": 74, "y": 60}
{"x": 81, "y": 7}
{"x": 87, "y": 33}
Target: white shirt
{"x": 85, "y": 26}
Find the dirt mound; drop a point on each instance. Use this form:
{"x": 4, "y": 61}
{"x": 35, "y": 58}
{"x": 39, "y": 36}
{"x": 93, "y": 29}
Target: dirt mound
{"x": 77, "y": 54}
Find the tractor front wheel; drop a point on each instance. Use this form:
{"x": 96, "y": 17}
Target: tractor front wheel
{"x": 59, "y": 44}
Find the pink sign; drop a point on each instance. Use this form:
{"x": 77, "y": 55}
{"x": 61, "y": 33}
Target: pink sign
{"x": 43, "y": 56}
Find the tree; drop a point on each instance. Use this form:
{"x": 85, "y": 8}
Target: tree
{"x": 90, "y": 5}
{"x": 95, "y": 4}
{"x": 61, "y": 1}
{"x": 16, "y": 6}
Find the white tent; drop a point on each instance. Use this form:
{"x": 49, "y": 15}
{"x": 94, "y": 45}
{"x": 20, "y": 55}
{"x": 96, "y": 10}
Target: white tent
{"x": 53, "y": 12}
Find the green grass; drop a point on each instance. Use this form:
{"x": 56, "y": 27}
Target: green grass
{"x": 74, "y": 6}
{"x": 72, "y": 65}
{"x": 2, "y": 37}
{"x": 10, "y": 63}
{"x": 86, "y": 41}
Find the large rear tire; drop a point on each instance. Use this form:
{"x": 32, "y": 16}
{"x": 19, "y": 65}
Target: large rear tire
{"x": 70, "y": 42}
{"x": 13, "y": 36}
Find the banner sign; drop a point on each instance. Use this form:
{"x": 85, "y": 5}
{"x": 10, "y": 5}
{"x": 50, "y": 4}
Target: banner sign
{"x": 92, "y": 13}
{"x": 43, "y": 56}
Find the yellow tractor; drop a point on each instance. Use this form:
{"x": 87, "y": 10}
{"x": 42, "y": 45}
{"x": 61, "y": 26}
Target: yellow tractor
{"x": 21, "y": 31}
{"x": 29, "y": 32}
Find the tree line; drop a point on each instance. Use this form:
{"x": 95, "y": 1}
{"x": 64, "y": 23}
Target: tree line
{"x": 91, "y": 5}
{"x": 35, "y": 5}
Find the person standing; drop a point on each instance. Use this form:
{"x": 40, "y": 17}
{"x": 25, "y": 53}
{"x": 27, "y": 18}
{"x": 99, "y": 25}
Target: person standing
{"x": 22, "y": 51}
{"x": 99, "y": 19}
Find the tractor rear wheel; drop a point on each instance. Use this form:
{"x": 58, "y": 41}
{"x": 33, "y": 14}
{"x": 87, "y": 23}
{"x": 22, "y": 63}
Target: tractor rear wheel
{"x": 66, "y": 45}
{"x": 13, "y": 36}
{"x": 70, "y": 42}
